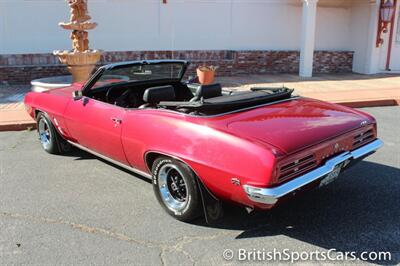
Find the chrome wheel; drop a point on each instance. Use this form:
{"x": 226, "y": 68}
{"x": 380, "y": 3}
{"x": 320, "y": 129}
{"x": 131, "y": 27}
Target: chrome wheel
{"x": 173, "y": 188}
{"x": 44, "y": 133}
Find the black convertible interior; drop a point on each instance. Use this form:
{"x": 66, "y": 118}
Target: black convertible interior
{"x": 190, "y": 98}
{"x": 141, "y": 94}
{"x": 158, "y": 85}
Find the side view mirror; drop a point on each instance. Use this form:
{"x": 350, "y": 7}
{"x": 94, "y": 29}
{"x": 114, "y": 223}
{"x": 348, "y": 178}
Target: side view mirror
{"x": 77, "y": 95}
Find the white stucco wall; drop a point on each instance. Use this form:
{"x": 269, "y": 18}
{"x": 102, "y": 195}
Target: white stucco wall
{"x": 30, "y": 26}
{"x": 333, "y": 28}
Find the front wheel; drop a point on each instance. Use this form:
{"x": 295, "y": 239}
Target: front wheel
{"x": 51, "y": 141}
{"x": 176, "y": 189}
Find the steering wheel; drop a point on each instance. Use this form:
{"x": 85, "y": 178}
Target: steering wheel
{"x": 127, "y": 99}
{"x": 110, "y": 98}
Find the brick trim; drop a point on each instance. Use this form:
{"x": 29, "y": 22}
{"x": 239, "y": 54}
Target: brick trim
{"x": 22, "y": 68}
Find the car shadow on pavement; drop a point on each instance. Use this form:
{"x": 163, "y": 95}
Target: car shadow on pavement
{"x": 359, "y": 212}
{"x": 79, "y": 154}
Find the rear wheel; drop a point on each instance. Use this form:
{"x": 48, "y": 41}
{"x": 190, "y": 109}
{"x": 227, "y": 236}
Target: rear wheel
{"x": 51, "y": 141}
{"x": 176, "y": 189}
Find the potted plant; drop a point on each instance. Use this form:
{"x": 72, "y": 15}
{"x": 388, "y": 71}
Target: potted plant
{"x": 206, "y": 74}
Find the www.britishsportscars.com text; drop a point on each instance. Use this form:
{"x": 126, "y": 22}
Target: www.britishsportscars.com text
{"x": 286, "y": 255}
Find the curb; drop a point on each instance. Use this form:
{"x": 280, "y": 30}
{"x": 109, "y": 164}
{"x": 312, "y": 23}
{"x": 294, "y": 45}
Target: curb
{"x": 18, "y": 126}
{"x": 28, "y": 125}
{"x": 371, "y": 103}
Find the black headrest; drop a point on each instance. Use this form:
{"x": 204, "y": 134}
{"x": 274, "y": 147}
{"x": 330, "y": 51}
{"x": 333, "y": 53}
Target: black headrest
{"x": 209, "y": 91}
{"x": 158, "y": 94}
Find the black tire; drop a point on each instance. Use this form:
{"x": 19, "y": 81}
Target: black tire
{"x": 184, "y": 203}
{"x": 49, "y": 138}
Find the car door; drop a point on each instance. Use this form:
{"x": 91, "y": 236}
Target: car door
{"x": 97, "y": 126}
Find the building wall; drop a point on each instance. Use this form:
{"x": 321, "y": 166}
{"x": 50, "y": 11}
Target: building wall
{"x": 21, "y": 69}
{"x": 240, "y": 36}
{"x": 30, "y": 26}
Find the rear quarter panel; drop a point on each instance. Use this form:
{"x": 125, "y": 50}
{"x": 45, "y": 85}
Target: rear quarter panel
{"x": 215, "y": 156}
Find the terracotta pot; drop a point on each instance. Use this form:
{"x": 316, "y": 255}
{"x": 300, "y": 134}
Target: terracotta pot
{"x": 205, "y": 75}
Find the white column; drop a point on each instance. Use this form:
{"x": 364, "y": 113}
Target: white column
{"x": 308, "y": 37}
{"x": 372, "y": 52}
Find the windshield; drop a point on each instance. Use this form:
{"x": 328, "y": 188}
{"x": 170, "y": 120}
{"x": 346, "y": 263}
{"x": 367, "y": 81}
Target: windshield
{"x": 140, "y": 72}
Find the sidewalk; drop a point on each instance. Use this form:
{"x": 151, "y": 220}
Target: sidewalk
{"x": 352, "y": 90}
{"x": 12, "y": 110}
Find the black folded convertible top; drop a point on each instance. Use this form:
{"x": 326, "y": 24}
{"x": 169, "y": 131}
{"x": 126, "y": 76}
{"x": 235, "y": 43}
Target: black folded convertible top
{"x": 235, "y": 101}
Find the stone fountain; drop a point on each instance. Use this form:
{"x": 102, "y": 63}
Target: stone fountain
{"x": 80, "y": 60}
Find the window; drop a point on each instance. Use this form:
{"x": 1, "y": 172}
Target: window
{"x": 140, "y": 72}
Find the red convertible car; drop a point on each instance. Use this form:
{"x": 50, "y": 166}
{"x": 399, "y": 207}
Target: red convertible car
{"x": 202, "y": 145}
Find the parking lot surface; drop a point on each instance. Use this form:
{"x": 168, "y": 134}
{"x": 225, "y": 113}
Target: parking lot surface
{"x": 78, "y": 209}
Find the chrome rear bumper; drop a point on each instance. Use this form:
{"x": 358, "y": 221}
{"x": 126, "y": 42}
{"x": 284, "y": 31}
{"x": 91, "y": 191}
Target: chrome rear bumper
{"x": 271, "y": 195}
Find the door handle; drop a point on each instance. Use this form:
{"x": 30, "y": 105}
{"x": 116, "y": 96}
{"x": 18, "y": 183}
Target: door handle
{"x": 117, "y": 121}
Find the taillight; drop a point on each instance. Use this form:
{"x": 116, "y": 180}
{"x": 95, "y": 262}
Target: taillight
{"x": 363, "y": 137}
{"x": 297, "y": 167}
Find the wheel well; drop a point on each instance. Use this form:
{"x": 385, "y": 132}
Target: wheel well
{"x": 37, "y": 111}
{"x": 151, "y": 157}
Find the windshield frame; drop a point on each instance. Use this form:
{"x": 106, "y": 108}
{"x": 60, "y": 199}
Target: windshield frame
{"x": 99, "y": 73}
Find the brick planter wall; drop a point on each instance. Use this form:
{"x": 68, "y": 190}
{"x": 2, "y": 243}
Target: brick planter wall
{"x": 21, "y": 69}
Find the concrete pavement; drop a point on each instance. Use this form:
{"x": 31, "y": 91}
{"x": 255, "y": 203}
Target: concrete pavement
{"x": 77, "y": 209}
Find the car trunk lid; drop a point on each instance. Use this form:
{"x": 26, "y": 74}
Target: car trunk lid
{"x": 293, "y": 125}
